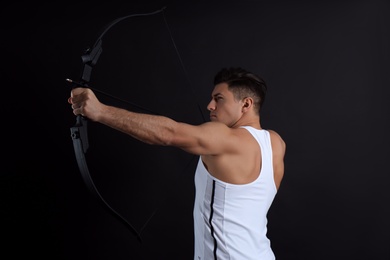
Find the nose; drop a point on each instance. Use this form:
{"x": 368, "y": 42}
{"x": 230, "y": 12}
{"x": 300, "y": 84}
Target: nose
{"x": 211, "y": 106}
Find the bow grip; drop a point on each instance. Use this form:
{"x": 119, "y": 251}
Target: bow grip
{"x": 79, "y": 131}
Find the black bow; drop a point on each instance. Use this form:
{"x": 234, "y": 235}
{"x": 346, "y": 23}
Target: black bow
{"x": 79, "y": 132}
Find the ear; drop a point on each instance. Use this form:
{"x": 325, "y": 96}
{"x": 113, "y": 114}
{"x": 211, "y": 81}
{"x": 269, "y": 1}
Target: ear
{"x": 247, "y": 104}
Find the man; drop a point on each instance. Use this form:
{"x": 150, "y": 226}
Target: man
{"x": 240, "y": 166}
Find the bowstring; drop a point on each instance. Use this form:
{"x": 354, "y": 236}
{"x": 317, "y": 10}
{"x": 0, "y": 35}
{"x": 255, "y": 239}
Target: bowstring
{"x": 197, "y": 103}
{"x": 182, "y": 65}
{"x": 99, "y": 39}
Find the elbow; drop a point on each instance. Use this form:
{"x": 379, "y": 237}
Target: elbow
{"x": 169, "y": 135}
{"x": 165, "y": 138}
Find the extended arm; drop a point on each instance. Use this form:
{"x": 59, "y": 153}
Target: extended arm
{"x": 153, "y": 129}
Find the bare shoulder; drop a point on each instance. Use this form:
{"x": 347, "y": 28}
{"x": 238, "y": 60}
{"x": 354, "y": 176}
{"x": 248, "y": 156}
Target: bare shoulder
{"x": 278, "y": 151}
{"x": 278, "y": 144}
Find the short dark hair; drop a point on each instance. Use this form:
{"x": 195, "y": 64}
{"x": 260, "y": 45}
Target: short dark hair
{"x": 243, "y": 84}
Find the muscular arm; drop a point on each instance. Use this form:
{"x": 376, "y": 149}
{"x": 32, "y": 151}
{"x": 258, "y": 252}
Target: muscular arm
{"x": 152, "y": 129}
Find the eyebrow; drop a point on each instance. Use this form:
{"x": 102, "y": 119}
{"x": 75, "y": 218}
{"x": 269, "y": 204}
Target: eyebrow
{"x": 217, "y": 94}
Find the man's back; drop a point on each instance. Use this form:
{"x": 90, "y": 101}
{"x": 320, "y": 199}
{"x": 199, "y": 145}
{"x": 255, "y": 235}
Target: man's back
{"x": 230, "y": 219}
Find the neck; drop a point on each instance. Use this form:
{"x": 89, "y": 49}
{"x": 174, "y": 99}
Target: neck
{"x": 251, "y": 121}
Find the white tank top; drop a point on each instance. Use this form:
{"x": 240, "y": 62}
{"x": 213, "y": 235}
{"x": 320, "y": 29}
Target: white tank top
{"x": 230, "y": 220}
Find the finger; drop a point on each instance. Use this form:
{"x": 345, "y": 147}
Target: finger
{"x": 78, "y": 111}
{"x": 76, "y": 106}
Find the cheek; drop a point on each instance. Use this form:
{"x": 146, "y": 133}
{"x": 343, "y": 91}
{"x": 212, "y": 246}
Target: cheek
{"x": 231, "y": 112}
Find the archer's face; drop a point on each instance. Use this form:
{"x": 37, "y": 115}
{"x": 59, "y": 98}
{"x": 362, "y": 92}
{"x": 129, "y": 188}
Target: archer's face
{"x": 223, "y": 106}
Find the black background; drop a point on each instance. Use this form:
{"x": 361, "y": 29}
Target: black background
{"x": 326, "y": 64}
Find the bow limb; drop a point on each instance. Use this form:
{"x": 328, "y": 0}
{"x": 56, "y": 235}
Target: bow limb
{"x": 79, "y": 131}
{"x": 80, "y": 143}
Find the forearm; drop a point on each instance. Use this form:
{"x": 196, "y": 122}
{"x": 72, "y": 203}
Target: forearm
{"x": 151, "y": 129}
